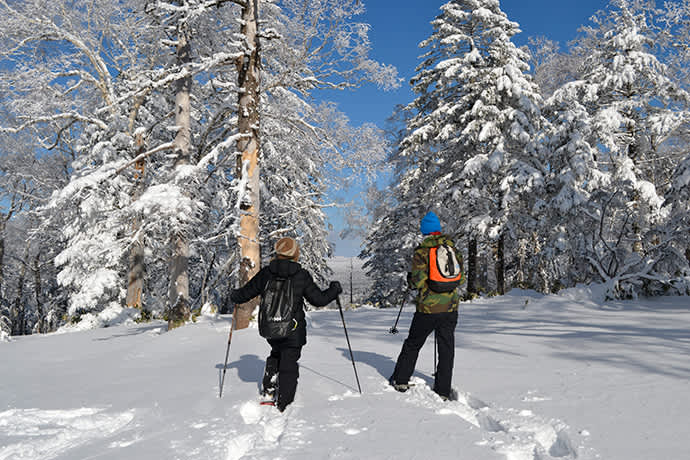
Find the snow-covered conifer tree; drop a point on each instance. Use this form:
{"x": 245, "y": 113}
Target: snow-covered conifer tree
{"x": 610, "y": 129}
{"x": 551, "y": 68}
{"x": 676, "y": 21}
{"x": 475, "y": 115}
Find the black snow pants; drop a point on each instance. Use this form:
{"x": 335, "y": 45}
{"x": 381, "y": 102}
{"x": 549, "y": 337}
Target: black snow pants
{"x": 423, "y": 324}
{"x": 282, "y": 363}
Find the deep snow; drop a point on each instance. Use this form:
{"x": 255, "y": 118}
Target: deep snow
{"x": 539, "y": 377}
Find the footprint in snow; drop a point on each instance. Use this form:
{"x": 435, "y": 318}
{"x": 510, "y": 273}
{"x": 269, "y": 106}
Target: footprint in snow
{"x": 519, "y": 435}
{"x": 240, "y": 445}
{"x": 265, "y": 428}
{"x": 46, "y": 434}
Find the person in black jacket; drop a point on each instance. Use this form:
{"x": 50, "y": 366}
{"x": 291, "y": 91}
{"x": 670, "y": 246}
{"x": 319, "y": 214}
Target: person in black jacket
{"x": 285, "y": 352}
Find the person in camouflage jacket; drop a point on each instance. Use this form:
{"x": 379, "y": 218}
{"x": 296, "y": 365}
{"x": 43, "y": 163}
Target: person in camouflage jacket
{"x": 436, "y": 312}
{"x": 428, "y": 301}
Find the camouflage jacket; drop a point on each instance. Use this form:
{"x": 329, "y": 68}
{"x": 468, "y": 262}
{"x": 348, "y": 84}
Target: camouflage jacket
{"x": 427, "y": 300}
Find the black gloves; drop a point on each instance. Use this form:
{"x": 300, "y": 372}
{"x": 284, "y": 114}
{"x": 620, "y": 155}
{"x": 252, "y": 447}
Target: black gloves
{"x": 233, "y": 295}
{"x": 335, "y": 286}
{"x": 410, "y": 285}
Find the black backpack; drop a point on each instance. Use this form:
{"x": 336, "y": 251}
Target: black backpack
{"x": 277, "y": 309}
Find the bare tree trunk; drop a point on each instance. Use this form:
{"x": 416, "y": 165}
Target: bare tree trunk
{"x": 471, "y": 268}
{"x": 249, "y": 67}
{"x": 178, "y": 293}
{"x": 135, "y": 277}
{"x": 483, "y": 271}
{"x": 204, "y": 282}
{"x": 225, "y": 307}
{"x": 500, "y": 266}
{"x": 3, "y": 224}
{"x": 19, "y": 314}
{"x": 37, "y": 293}
{"x": 352, "y": 301}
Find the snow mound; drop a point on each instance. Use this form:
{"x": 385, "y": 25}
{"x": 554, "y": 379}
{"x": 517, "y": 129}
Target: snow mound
{"x": 113, "y": 315}
{"x": 593, "y": 293}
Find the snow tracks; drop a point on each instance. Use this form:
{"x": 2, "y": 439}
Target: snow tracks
{"x": 264, "y": 433}
{"x": 517, "y": 434}
{"x": 343, "y": 427}
{"x": 34, "y": 434}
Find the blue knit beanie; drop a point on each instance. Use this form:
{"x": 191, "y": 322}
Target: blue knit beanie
{"x": 430, "y": 224}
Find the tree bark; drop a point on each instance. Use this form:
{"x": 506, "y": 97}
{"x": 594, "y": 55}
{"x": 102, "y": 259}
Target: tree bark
{"x": 135, "y": 277}
{"x": 178, "y": 293}
{"x": 203, "y": 294}
{"x": 40, "y": 311}
{"x": 472, "y": 268}
{"x": 500, "y": 265}
{"x": 3, "y": 225}
{"x": 249, "y": 68}
{"x": 483, "y": 271}
{"x": 19, "y": 309}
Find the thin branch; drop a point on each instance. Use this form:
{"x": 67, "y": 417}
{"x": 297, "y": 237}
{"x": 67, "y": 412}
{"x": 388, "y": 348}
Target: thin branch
{"x": 138, "y": 158}
{"x": 73, "y": 117}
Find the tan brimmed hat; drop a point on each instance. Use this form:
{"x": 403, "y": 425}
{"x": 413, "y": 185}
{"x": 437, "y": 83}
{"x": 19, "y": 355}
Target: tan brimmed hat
{"x": 287, "y": 248}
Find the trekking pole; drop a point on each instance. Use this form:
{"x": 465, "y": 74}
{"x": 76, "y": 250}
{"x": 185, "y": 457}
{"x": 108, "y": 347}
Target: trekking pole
{"x": 227, "y": 351}
{"x": 435, "y": 361}
{"x": 342, "y": 317}
{"x": 394, "y": 329}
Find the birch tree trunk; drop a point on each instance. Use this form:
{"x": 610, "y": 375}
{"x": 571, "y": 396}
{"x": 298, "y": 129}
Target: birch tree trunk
{"x": 178, "y": 293}
{"x": 248, "y": 70}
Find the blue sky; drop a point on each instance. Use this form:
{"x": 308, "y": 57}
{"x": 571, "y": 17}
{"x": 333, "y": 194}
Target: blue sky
{"x": 398, "y": 26}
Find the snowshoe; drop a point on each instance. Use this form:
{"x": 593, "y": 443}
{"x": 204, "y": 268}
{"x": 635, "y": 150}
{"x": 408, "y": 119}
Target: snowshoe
{"x": 453, "y": 396}
{"x": 401, "y": 387}
{"x": 268, "y": 397}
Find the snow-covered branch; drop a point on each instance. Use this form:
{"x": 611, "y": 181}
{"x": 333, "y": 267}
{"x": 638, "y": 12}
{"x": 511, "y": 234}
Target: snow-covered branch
{"x": 70, "y": 117}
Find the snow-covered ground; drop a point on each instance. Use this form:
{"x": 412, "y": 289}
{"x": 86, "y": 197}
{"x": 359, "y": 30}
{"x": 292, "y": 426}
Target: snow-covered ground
{"x": 556, "y": 377}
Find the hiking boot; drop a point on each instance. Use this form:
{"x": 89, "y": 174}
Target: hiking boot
{"x": 401, "y": 387}
{"x": 269, "y": 383}
{"x": 453, "y": 396}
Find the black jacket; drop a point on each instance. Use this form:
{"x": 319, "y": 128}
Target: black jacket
{"x": 302, "y": 283}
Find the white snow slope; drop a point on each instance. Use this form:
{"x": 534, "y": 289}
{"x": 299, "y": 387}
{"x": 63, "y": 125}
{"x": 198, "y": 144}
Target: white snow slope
{"x": 555, "y": 377}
